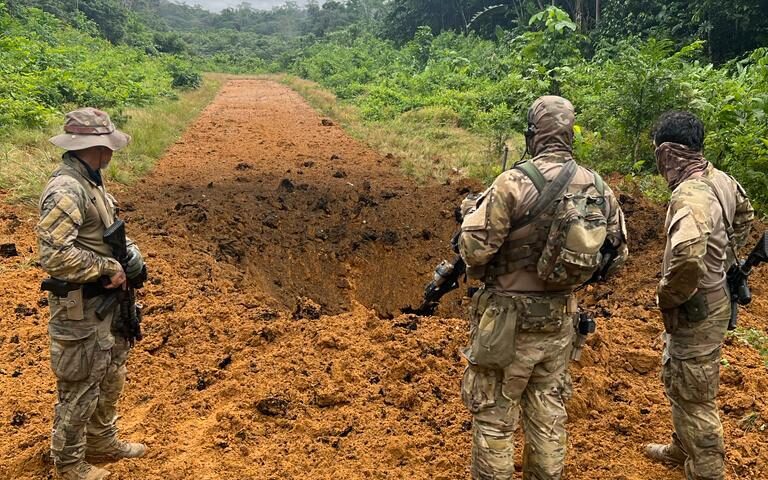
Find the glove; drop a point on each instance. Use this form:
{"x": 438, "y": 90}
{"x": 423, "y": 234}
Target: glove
{"x": 469, "y": 204}
{"x": 135, "y": 262}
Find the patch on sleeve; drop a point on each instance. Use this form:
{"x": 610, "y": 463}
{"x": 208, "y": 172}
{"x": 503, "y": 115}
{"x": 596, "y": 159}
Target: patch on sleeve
{"x": 478, "y": 220}
{"x": 60, "y": 216}
{"x": 683, "y": 228}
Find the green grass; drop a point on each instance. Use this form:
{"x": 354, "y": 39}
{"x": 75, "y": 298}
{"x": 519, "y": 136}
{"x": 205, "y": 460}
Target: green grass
{"x": 427, "y": 141}
{"x": 27, "y": 158}
{"x": 755, "y": 338}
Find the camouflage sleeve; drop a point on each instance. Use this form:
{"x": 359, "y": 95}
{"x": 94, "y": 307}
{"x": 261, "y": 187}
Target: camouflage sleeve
{"x": 60, "y": 220}
{"x": 688, "y": 231}
{"x": 742, "y": 220}
{"x": 484, "y": 230}
{"x": 616, "y": 231}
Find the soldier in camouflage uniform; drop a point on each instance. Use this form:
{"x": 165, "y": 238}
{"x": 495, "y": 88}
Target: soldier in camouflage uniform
{"x": 522, "y": 328}
{"x": 708, "y": 220}
{"x": 87, "y": 358}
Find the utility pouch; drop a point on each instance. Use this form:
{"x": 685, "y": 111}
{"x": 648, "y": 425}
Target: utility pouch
{"x": 493, "y": 330}
{"x": 67, "y": 295}
{"x": 696, "y": 309}
{"x": 544, "y": 315}
{"x": 73, "y": 302}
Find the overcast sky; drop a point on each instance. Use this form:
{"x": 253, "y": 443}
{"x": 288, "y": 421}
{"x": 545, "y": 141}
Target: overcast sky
{"x": 218, "y": 5}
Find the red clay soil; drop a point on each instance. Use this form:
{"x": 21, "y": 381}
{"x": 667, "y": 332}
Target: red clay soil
{"x": 280, "y": 253}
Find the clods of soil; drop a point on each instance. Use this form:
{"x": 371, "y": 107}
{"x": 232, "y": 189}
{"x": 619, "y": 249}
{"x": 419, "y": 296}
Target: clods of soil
{"x": 274, "y": 347}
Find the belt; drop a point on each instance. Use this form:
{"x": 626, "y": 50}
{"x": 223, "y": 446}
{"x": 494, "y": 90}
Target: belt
{"x": 94, "y": 289}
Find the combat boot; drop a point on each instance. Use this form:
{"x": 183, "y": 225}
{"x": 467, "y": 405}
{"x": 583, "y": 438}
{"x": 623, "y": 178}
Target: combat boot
{"x": 671, "y": 453}
{"x": 117, "y": 451}
{"x": 84, "y": 471}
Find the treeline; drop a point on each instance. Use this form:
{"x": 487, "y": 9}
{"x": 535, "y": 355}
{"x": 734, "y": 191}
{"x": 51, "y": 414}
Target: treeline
{"x": 245, "y": 39}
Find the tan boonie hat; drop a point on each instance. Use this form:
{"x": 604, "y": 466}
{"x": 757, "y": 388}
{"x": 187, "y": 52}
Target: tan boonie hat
{"x": 89, "y": 127}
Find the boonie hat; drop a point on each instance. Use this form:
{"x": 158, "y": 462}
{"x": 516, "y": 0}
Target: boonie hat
{"x": 89, "y": 127}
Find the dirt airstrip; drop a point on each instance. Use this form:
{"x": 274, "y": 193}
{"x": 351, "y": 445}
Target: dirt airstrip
{"x": 280, "y": 253}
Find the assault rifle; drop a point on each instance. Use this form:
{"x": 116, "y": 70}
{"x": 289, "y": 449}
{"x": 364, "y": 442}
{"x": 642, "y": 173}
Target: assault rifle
{"x": 447, "y": 274}
{"x": 738, "y": 278}
{"x": 445, "y": 279}
{"x": 129, "y": 321}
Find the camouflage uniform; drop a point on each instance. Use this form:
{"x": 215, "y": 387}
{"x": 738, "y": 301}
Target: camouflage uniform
{"x": 532, "y": 323}
{"x": 86, "y": 357}
{"x": 696, "y": 258}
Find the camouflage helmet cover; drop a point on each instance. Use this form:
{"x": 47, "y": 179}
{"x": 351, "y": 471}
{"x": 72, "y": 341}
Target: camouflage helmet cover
{"x": 551, "y": 119}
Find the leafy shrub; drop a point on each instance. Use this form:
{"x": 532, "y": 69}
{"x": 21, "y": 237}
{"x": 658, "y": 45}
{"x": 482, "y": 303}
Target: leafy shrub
{"x": 184, "y": 76}
{"x": 47, "y": 66}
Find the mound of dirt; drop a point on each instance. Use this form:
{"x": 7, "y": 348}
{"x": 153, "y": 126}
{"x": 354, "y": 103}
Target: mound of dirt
{"x": 280, "y": 253}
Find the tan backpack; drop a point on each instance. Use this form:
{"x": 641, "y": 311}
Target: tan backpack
{"x": 578, "y": 228}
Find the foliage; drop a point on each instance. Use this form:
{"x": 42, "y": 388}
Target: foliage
{"x": 730, "y": 30}
{"x": 183, "y": 75}
{"x": 27, "y": 158}
{"x": 619, "y": 92}
{"x": 47, "y": 67}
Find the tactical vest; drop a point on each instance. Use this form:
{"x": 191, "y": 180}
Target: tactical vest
{"x": 99, "y": 213}
{"x": 524, "y": 253}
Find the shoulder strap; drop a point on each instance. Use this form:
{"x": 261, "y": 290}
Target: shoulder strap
{"x": 599, "y": 184}
{"x": 547, "y": 194}
{"x": 533, "y": 173}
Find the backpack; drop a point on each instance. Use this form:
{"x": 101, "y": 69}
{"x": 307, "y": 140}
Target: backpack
{"x": 578, "y": 227}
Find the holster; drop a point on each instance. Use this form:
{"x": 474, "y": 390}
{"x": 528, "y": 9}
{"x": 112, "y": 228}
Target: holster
{"x": 72, "y": 295}
{"x": 695, "y": 310}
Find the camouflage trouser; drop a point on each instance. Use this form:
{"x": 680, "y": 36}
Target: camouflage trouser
{"x": 691, "y": 375}
{"x": 536, "y": 382}
{"x": 89, "y": 364}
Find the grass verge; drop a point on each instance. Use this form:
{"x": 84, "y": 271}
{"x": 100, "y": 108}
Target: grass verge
{"x": 27, "y": 159}
{"x": 755, "y": 338}
{"x": 427, "y": 141}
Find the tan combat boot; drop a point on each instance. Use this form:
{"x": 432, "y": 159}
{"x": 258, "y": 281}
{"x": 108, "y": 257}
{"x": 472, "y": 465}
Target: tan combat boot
{"x": 84, "y": 471}
{"x": 671, "y": 453}
{"x": 118, "y": 451}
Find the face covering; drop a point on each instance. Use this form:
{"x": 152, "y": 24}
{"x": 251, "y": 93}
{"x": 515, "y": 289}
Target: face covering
{"x": 677, "y": 163}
